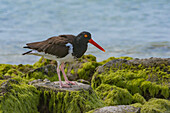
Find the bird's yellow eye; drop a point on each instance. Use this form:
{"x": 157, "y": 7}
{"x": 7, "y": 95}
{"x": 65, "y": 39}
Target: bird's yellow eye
{"x": 86, "y": 36}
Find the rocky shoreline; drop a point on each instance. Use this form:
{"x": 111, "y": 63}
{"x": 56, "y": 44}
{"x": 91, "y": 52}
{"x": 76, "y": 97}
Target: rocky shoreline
{"x": 115, "y": 85}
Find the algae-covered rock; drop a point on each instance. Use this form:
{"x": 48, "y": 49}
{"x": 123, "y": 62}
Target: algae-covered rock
{"x": 10, "y": 71}
{"x": 113, "y": 95}
{"x": 114, "y": 58}
{"x": 137, "y": 98}
{"x": 117, "y": 81}
{"x": 13, "y": 78}
{"x": 43, "y": 96}
{"x": 83, "y": 68}
{"x": 139, "y": 105}
{"x": 117, "y": 109}
{"x": 156, "y": 106}
{"x": 77, "y": 99}
{"x": 43, "y": 62}
{"x": 45, "y": 72}
{"x": 18, "y": 97}
{"x": 148, "y": 77}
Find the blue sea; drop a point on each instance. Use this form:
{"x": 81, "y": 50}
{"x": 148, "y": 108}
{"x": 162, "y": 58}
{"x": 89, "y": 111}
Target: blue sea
{"x": 134, "y": 28}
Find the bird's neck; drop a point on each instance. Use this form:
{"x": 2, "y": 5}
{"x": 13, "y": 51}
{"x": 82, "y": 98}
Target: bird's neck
{"x": 79, "y": 48}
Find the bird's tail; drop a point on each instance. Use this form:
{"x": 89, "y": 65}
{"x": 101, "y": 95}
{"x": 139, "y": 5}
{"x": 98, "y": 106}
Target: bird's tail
{"x": 27, "y": 52}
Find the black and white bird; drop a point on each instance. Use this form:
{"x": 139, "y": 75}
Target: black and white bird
{"x": 62, "y": 48}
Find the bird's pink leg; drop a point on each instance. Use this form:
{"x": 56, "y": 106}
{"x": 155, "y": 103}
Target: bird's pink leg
{"x": 65, "y": 77}
{"x": 61, "y": 84}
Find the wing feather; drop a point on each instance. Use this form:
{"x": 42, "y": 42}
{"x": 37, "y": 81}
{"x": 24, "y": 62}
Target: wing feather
{"x": 54, "y": 45}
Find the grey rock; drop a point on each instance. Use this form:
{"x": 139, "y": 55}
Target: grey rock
{"x": 54, "y": 86}
{"x": 46, "y": 80}
{"x": 6, "y": 86}
{"x": 48, "y": 70}
{"x": 148, "y": 62}
{"x": 35, "y": 81}
{"x": 83, "y": 81}
{"x": 118, "y": 109}
{"x": 115, "y": 63}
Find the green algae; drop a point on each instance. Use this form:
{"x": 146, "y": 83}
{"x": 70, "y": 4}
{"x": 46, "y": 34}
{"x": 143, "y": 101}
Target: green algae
{"x": 86, "y": 70}
{"x": 142, "y": 80}
{"x": 154, "y": 89}
{"x": 72, "y": 71}
{"x": 82, "y": 68}
{"x": 1, "y": 76}
{"x": 156, "y": 106}
{"x": 43, "y": 62}
{"x": 41, "y": 75}
{"x": 13, "y": 73}
{"x": 4, "y": 68}
{"x": 88, "y": 58}
{"x": 21, "y": 98}
{"x": 24, "y": 68}
{"x": 10, "y": 71}
{"x": 137, "y": 105}
{"x": 113, "y": 95}
{"x": 70, "y": 102}
{"x": 85, "y": 66}
{"x": 136, "y": 79}
{"x": 91, "y": 111}
{"x": 24, "y": 98}
{"x": 137, "y": 98}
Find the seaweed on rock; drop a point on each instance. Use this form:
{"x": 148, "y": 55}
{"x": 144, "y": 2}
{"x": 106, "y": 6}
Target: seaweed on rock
{"x": 113, "y": 95}
{"x": 69, "y": 102}
{"x": 148, "y": 77}
{"x": 116, "y": 82}
{"x": 156, "y": 106}
{"x": 20, "y": 98}
{"x": 82, "y": 68}
{"x": 78, "y": 99}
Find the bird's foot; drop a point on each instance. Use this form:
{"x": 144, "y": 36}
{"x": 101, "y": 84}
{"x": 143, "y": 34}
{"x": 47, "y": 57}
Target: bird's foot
{"x": 71, "y": 83}
{"x": 65, "y": 86}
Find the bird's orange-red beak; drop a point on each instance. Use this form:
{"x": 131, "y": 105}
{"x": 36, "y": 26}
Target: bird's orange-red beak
{"x": 95, "y": 44}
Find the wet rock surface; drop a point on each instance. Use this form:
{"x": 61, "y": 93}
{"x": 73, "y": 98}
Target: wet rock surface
{"x": 145, "y": 62}
{"x": 118, "y": 109}
{"x": 54, "y": 86}
{"x": 151, "y": 61}
{"x": 48, "y": 70}
{"x": 75, "y": 99}
{"x": 6, "y": 86}
{"x": 115, "y": 63}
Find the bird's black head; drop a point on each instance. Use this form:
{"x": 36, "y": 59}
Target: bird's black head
{"x": 84, "y": 37}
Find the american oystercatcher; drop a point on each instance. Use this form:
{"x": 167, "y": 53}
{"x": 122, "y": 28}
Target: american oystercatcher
{"x": 62, "y": 48}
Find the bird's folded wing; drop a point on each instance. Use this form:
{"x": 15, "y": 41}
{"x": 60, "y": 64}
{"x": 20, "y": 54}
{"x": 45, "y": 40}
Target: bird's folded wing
{"x": 54, "y": 46}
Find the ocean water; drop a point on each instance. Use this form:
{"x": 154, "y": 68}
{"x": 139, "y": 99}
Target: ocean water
{"x": 139, "y": 29}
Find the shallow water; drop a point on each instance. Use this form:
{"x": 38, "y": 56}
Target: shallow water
{"x": 124, "y": 28}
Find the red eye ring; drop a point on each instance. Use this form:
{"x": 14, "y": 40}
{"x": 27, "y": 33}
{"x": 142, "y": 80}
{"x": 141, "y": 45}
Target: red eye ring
{"x": 85, "y": 35}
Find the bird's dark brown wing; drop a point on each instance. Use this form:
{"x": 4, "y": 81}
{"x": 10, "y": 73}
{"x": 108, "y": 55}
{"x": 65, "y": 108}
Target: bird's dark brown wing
{"x": 54, "y": 45}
